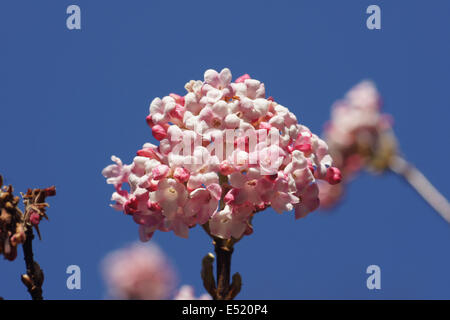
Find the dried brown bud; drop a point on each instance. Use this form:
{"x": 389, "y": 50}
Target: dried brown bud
{"x": 50, "y": 192}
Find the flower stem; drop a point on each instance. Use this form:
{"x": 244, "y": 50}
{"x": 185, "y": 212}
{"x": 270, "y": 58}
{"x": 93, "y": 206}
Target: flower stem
{"x": 421, "y": 184}
{"x": 223, "y": 252}
{"x": 220, "y": 289}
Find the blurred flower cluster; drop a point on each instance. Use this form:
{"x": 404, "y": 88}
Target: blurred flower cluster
{"x": 225, "y": 153}
{"x": 143, "y": 272}
{"x": 359, "y": 136}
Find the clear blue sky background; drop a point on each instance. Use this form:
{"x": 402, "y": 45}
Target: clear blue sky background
{"x": 70, "y": 99}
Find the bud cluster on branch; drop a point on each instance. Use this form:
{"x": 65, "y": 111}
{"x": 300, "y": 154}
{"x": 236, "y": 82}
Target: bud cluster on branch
{"x": 16, "y": 227}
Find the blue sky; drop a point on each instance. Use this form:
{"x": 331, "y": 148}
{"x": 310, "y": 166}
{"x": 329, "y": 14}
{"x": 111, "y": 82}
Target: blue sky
{"x": 70, "y": 99}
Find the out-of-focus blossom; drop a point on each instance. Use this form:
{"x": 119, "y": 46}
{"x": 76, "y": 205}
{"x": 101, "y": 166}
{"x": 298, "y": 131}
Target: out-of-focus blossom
{"x": 143, "y": 272}
{"x": 140, "y": 272}
{"x": 186, "y": 292}
{"x": 225, "y": 153}
{"x": 359, "y": 136}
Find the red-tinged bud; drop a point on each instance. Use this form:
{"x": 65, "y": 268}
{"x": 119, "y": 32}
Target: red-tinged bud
{"x": 147, "y": 152}
{"x": 225, "y": 168}
{"x": 154, "y": 206}
{"x": 149, "y": 121}
{"x": 181, "y": 174}
{"x": 242, "y": 78}
{"x": 159, "y": 132}
{"x": 131, "y": 206}
{"x": 334, "y": 175}
{"x": 51, "y": 191}
{"x": 178, "y": 99}
{"x": 160, "y": 172}
{"x": 153, "y": 185}
{"x": 306, "y": 148}
{"x": 177, "y": 112}
{"x": 35, "y": 218}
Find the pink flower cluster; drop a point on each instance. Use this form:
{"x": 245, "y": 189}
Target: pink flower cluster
{"x": 187, "y": 180}
{"x": 143, "y": 272}
{"x": 355, "y": 135}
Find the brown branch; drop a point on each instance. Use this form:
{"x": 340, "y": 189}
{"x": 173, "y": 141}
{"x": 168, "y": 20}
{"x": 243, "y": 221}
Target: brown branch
{"x": 34, "y": 277}
{"x": 221, "y": 289}
{"x": 223, "y": 252}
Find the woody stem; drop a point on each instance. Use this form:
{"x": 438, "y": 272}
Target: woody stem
{"x": 421, "y": 184}
{"x": 223, "y": 252}
{"x": 33, "y": 269}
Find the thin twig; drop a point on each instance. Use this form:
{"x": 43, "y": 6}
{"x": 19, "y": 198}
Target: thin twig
{"x": 421, "y": 184}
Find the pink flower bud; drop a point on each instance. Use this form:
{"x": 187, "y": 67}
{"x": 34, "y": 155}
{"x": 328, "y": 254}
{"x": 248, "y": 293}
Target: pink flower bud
{"x": 130, "y": 206}
{"x": 149, "y": 121}
{"x": 35, "y": 218}
{"x": 242, "y": 78}
{"x": 178, "y": 99}
{"x": 305, "y": 148}
{"x": 159, "y": 132}
{"x": 334, "y": 175}
{"x": 153, "y": 185}
{"x": 225, "y": 168}
{"x": 160, "y": 172}
{"x": 181, "y": 174}
{"x": 147, "y": 152}
{"x": 154, "y": 206}
{"x": 177, "y": 112}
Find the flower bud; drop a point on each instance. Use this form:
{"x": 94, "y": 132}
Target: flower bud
{"x": 181, "y": 174}
{"x": 242, "y": 78}
{"x": 159, "y": 132}
{"x": 334, "y": 175}
{"x": 35, "y": 218}
{"x": 160, "y": 172}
